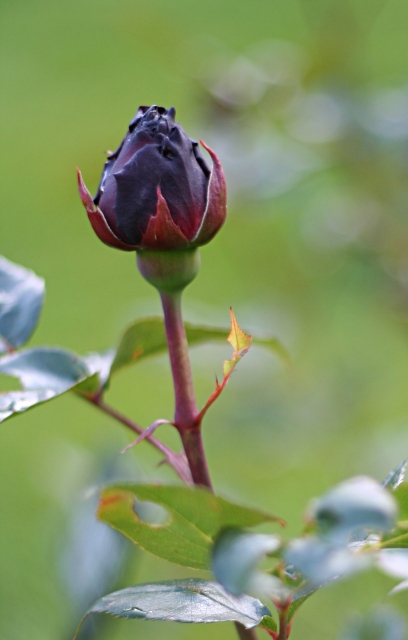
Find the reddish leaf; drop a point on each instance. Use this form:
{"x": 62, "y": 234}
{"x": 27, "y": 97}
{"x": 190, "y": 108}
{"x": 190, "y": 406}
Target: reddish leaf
{"x": 241, "y": 342}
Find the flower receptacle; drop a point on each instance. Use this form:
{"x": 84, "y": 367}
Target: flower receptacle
{"x": 169, "y": 271}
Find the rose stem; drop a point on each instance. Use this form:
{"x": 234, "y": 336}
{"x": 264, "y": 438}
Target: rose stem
{"x": 186, "y": 412}
{"x": 283, "y": 623}
{"x": 245, "y": 634}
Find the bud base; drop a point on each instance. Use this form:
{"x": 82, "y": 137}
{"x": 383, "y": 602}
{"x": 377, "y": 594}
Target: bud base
{"x": 169, "y": 271}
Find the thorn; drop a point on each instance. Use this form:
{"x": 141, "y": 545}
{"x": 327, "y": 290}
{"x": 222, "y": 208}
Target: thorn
{"x": 146, "y": 433}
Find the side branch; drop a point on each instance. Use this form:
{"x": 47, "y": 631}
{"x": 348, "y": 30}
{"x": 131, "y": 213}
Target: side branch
{"x": 175, "y": 460}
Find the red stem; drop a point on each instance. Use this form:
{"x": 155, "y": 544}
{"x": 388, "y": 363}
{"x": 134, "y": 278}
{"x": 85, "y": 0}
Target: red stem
{"x": 245, "y": 634}
{"x": 283, "y": 623}
{"x": 186, "y": 412}
{"x": 186, "y": 407}
{"x": 186, "y": 417}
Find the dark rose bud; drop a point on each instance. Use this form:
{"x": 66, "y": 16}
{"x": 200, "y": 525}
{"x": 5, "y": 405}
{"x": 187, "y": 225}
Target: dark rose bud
{"x": 156, "y": 190}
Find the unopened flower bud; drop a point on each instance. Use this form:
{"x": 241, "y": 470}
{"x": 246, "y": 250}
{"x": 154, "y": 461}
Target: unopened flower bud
{"x": 157, "y": 192}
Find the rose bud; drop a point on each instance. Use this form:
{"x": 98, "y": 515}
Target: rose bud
{"x": 156, "y": 190}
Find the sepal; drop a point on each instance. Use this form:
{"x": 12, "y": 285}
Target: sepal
{"x": 98, "y": 220}
{"x": 162, "y": 233}
{"x": 216, "y": 208}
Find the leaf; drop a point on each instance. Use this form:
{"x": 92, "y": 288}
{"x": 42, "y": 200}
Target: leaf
{"x": 298, "y": 600}
{"x": 21, "y": 300}
{"x": 44, "y": 373}
{"x": 240, "y": 341}
{"x": 393, "y": 562}
{"x": 402, "y": 586}
{"x": 268, "y": 623}
{"x": 344, "y": 516}
{"x": 396, "y": 476}
{"x": 399, "y": 536}
{"x": 143, "y": 339}
{"x": 99, "y": 364}
{"x": 195, "y": 517}
{"x": 191, "y": 600}
{"x": 401, "y": 496}
{"x": 235, "y": 556}
{"x": 146, "y": 338}
{"x": 321, "y": 561}
{"x": 397, "y": 539}
{"x": 357, "y": 503}
{"x": 237, "y": 338}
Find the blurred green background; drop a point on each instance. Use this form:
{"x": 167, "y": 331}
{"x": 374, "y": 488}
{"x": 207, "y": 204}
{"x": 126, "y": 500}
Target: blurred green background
{"x": 306, "y": 103}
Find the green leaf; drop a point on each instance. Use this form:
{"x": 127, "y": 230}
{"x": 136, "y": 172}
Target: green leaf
{"x": 21, "y": 300}
{"x": 402, "y": 586}
{"x": 235, "y": 556}
{"x": 146, "y": 338}
{"x": 393, "y": 562}
{"x": 195, "y": 517}
{"x": 359, "y": 502}
{"x": 143, "y": 339}
{"x": 191, "y": 600}
{"x": 99, "y": 365}
{"x": 44, "y": 373}
{"x": 268, "y": 623}
{"x": 397, "y": 539}
{"x": 396, "y": 476}
{"x": 298, "y": 600}
{"x": 401, "y": 496}
{"x": 321, "y": 561}
{"x": 344, "y": 514}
